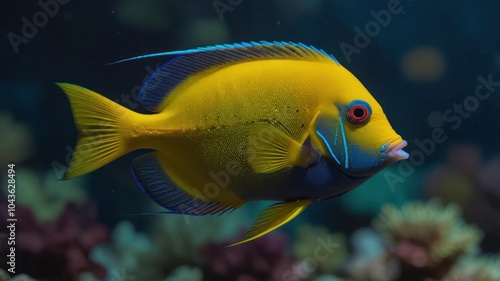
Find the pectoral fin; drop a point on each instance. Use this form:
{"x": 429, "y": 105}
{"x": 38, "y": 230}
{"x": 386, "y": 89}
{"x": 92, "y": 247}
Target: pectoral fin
{"x": 273, "y": 217}
{"x": 270, "y": 150}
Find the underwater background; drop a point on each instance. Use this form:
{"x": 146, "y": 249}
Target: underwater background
{"x": 434, "y": 66}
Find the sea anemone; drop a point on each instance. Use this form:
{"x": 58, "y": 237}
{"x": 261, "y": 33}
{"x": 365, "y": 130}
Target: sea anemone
{"x": 428, "y": 237}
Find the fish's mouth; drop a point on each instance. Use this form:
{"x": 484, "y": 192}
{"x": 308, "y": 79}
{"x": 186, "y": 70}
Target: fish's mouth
{"x": 395, "y": 150}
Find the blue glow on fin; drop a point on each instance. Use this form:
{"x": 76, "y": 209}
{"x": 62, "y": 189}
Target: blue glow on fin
{"x": 154, "y": 182}
{"x": 189, "y": 62}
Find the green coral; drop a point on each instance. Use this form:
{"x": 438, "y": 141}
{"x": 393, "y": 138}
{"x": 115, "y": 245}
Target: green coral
{"x": 126, "y": 251}
{"x": 307, "y": 244}
{"x": 185, "y": 273}
{"x": 431, "y": 225}
{"x": 476, "y": 269}
{"x": 328, "y": 278}
{"x": 171, "y": 249}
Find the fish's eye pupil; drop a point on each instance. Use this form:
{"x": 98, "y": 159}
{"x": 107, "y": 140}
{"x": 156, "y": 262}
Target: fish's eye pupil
{"x": 358, "y": 112}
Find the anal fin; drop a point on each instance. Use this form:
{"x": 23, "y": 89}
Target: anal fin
{"x": 153, "y": 181}
{"x": 270, "y": 150}
{"x": 273, "y": 217}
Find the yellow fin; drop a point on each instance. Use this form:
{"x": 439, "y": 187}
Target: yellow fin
{"x": 270, "y": 150}
{"x": 99, "y": 139}
{"x": 273, "y": 217}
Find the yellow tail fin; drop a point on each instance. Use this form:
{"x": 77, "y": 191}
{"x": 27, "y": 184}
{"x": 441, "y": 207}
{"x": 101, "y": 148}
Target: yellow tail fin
{"x": 99, "y": 122}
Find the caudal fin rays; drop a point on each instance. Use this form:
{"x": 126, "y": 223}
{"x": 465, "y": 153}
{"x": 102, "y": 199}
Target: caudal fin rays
{"x": 97, "y": 120}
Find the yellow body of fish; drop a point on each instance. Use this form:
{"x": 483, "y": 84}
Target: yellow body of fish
{"x": 275, "y": 121}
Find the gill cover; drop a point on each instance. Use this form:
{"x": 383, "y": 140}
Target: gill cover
{"x": 334, "y": 129}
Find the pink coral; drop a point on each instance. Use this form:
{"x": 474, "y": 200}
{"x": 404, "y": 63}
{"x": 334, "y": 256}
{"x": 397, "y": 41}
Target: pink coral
{"x": 58, "y": 250}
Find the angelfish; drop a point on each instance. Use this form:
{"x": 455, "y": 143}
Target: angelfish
{"x": 238, "y": 122}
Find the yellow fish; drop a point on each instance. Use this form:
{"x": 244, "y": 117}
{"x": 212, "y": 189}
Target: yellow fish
{"x": 233, "y": 123}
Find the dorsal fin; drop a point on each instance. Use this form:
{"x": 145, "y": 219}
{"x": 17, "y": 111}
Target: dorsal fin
{"x": 189, "y": 62}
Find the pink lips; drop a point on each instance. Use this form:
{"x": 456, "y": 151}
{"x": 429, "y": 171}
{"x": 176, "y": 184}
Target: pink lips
{"x": 397, "y": 153}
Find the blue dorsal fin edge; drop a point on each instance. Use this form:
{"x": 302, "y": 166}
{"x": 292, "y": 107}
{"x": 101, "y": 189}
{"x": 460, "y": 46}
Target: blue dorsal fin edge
{"x": 224, "y": 46}
{"x": 186, "y": 63}
{"x": 155, "y": 183}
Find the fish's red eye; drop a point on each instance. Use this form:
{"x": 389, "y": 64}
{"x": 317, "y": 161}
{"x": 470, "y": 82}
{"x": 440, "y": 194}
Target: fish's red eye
{"x": 358, "y": 112}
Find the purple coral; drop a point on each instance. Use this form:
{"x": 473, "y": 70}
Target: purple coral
{"x": 57, "y": 250}
{"x": 266, "y": 258}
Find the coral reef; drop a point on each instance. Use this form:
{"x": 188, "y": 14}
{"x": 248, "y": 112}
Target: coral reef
{"x": 170, "y": 248}
{"x": 476, "y": 269}
{"x": 186, "y": 273}
{"x": 375, "y": 269}
{"x": 475, "y": 186}
{"x": 126, "y": 250}
{"x": 178, "y": 239}
{"x": 427, "y": 238}
{"x": 327, "y": 278}
{"x": 310, "y": 238}
{"x": 266, "y": 258}
{"x": 16, "y": 144}
{"x": 58, "y": 250}
{"x": 368, "y": 261}
{"x": 45, "y": 195}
